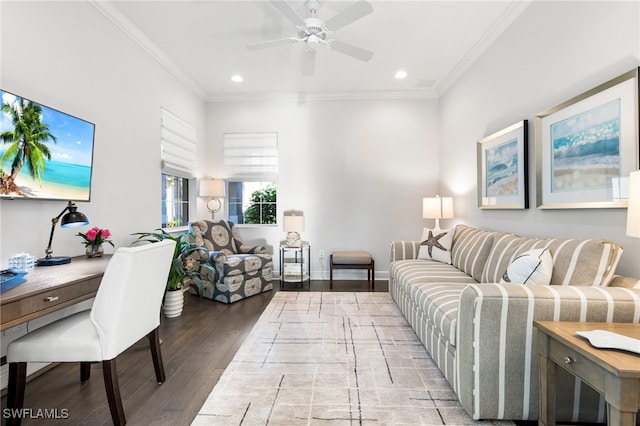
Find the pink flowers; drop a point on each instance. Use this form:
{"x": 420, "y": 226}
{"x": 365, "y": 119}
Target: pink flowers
{"x": 95, "y": 237}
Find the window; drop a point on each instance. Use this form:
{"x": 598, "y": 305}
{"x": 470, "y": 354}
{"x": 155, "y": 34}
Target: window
{"x": 178, "y": 150}
{"x": 175, "y": 201}
{"x": 251, "y": 167}
{"x": 252, "y": 202}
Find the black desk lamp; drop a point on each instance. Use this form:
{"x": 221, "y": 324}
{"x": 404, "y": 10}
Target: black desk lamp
{"x": 70, "y": 220}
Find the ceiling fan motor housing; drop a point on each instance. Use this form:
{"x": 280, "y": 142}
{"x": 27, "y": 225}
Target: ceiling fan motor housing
{"x": 313, "y": 27}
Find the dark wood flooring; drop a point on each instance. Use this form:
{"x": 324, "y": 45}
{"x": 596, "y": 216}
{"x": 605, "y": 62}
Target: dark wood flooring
{"x": 196, "y": 348}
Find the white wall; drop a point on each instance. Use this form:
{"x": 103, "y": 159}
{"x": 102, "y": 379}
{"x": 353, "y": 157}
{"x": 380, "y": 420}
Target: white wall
{"x": 357, "y": 169}
{"x": 68, "y": 56}
{"x": 554, "y": 51}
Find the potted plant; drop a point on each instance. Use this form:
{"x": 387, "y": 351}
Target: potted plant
{"x": 182, "y": 267}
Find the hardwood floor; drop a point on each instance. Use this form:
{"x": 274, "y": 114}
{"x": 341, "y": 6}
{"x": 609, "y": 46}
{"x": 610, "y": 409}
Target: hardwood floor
{"x": 196, "y": 348}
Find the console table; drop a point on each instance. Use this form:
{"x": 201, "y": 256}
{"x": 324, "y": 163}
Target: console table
{"x": 49, "y": 288}
{"x": 615, "y": 374}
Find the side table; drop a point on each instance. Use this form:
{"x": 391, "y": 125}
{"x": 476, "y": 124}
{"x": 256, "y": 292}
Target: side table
{"x": 295, "y": 263}
{"x": 613, "y": 373}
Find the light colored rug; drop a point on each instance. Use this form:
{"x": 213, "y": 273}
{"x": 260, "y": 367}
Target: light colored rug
{"x": 316, "y": 358}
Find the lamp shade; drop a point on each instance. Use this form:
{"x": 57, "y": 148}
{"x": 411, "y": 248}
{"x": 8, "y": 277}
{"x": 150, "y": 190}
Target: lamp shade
{"x": 293, "y": 223}
{"x": 633, "y": 209}
{"x": 74, "y": 219}
{"x": 437, "y": 208}
{"x": 212, "y": 188}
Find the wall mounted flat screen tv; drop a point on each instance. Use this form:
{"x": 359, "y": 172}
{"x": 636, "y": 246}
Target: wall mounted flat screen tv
{"x": 44, "y": 153}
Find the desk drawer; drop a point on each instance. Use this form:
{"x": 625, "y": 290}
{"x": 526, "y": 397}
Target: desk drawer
{"x": 572, "y": 361}
{"x": 39, "y": 304}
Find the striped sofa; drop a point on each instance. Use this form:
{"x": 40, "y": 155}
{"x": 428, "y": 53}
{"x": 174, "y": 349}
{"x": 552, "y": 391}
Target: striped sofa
{"x": 480, "y": 333}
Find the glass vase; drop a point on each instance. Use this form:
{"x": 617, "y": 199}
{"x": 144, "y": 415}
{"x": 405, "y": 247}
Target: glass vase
{"x": 94, "y": 251}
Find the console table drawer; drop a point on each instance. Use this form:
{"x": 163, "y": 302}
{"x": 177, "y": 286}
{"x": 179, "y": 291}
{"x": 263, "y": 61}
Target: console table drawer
{"x": 577, "y": 364}
{"x": 40, "y": 304}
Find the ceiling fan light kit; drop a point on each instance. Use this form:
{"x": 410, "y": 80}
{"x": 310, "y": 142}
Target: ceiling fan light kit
{"x": 314, "y": 31}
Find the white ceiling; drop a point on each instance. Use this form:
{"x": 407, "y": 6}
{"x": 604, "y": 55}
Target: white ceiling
{"x": 204, "y": 42}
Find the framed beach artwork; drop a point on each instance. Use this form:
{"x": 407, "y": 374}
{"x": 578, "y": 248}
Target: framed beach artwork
{"x": 502, "y": 169}
{"x": 587, "y": 146}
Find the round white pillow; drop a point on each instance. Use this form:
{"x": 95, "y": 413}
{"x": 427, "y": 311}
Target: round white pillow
{"x": 531, "y": 267}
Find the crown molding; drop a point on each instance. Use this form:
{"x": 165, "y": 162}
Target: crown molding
{"x": 137, "y": 35}
{"x": 513, "y": 11}
{"x": 321, "y": 96}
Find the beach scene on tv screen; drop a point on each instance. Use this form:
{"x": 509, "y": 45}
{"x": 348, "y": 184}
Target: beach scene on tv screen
{"x": 44, "y": 153}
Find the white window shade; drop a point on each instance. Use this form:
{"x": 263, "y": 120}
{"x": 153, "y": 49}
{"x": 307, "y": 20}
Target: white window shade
{"x": 251, "y": 156}
{"x": 178, "y": 145}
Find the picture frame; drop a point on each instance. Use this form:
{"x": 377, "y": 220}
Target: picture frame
{"x": 503, "y": 168}
{"x": 587, "y": 146}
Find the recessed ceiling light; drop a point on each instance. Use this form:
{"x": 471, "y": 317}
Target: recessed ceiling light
{"x": 236, "y": 78}
{"x": 401, "y": 74}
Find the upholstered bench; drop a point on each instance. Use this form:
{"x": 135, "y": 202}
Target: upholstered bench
{"x": 352, "y": 260}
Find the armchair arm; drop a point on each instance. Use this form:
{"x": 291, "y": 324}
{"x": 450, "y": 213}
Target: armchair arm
{"x": 402, "y": 250}
{"x": 201, "y": 271}
{"x": 217, "y": 256}
{"x": 245, "y": 249}
{"x": 496, "y": 351}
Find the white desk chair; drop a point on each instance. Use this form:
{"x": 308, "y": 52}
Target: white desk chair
{"x": 126, "y": 308}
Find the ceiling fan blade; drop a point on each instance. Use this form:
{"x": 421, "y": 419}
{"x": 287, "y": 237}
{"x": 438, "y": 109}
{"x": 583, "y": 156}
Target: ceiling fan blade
{"x": 288, "y": 11}
{"x": 273, "y": 43}
{"x": 349, "y": 15}
{"x": 309, "y": 61}
{"x": 351, "y": 50}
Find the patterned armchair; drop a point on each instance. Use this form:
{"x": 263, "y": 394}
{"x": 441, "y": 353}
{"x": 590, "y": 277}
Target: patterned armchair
{"x": 240, "y": 270}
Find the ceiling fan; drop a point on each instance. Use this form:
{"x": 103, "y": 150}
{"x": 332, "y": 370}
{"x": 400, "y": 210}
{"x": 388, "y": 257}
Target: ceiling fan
{"x": 315, "y": 32}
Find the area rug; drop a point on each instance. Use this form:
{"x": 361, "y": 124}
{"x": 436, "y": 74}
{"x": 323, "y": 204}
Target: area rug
{"x": 316, "y": 358}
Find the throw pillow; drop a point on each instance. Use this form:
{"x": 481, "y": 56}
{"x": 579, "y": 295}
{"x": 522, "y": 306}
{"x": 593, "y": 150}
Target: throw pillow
{"x": 531, "y": 267}
{"x": 436, "y": 245}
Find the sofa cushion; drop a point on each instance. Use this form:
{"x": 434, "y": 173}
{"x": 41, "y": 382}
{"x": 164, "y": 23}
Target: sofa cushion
{"x": 435, "y": 244}
{"x": 575, "y": 262}
{"x": 438, "y": 301}
{"x": 531, "y": 267}
{"x": 470, "y": 250}
{"x": 410, "y": 272}
{"x": 626, "y": 282}
{"x": 434, "y": 288}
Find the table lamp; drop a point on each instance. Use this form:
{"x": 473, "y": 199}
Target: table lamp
{"x": 72, "y": 219}
{"x": 215, "y": 189}
{"x": 437, "y": 208}
{"x": 293, "y": 224}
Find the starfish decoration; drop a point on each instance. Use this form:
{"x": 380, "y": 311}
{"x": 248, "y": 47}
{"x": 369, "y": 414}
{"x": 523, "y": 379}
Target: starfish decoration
{"x": 432, "y": 241}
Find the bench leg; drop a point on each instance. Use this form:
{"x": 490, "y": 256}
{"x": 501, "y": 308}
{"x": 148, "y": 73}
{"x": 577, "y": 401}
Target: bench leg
{"x": 373, "y": 275}
{"x": 331, "y": 272}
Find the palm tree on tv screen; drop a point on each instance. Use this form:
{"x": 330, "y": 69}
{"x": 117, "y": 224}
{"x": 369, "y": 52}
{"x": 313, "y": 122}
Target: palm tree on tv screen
{"x": 27, "y": 143}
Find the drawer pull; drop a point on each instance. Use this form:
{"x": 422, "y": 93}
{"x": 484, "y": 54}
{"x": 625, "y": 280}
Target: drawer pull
{"x": 569, "y": 360}
{"x": 51, "y": 299}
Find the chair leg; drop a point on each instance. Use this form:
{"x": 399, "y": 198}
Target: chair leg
{"x": 110, "y": 373}
{"x": 154, "y": 341}
{"x": 85, "y": 372}
{"x": 15, "y": 393}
